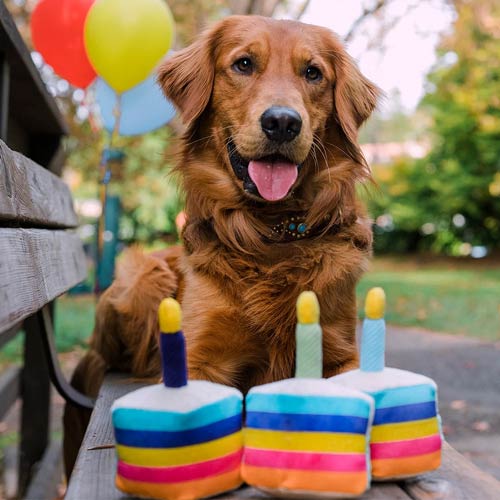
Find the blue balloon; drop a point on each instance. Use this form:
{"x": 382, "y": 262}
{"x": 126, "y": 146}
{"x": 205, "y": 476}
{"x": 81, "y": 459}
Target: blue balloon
{"x": 143, "y": 108}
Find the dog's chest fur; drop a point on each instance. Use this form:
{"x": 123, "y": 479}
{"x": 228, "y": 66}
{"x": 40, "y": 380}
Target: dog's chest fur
{"x": 264, "y": 289}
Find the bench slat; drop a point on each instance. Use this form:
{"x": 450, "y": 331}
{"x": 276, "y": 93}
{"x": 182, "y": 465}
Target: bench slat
{"x": 30, "y": 194}
{"x": 48, "y": 475}
{"x": 94, "y": 472}
{"x": 36, "y": 265}
{"x": 456, "y": 479}
{"x": 9, "y": 388}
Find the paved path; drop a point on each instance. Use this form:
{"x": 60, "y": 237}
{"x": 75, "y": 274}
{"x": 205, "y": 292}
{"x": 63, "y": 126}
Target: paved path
{"x": 467, "y": 372}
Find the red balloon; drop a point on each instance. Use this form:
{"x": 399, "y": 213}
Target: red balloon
{"x": 57, "y": 33}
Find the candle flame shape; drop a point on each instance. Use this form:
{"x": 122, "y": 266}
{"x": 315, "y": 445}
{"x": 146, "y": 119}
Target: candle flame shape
{"x": 169, "y": 316}
{"x": 375, "y": 303}
{"x": 307, "y": 308}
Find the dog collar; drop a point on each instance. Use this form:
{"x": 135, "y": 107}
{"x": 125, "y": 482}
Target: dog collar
{"x": 291, "y": 228}
{"x": 295, "y": 228}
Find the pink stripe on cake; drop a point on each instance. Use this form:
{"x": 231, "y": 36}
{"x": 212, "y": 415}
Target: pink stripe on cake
{"x": 332, "y": 462}
{"x": 182, "y": 473}
{"x": 407, "y": 448}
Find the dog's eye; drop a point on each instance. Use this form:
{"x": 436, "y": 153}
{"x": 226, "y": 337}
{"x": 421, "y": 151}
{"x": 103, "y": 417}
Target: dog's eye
{"x": 313, "y": 74}
{"x": 243, "y": 65}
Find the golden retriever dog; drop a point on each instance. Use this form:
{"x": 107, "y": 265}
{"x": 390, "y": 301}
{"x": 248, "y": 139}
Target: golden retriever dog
{"x": 269, "y": 165}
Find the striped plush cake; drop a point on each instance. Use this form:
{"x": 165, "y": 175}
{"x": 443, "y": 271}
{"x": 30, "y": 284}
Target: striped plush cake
{"x": 305, "y": 436}
{"x": 178, "y": 440}
{"x": 406, "y": 435}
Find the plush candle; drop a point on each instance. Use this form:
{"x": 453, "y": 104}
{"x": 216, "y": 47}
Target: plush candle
{"x": 406, "y": 435}
{"x": 172, "y": 344}
{"x": 308, "y": 335}
{"x": 179, "y": 440}
{"x": 373, "y": 337}
{"x": 305, "y": 436}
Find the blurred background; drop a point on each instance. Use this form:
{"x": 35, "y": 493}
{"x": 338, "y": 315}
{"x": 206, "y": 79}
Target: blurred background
{"x": 433, "y": 145}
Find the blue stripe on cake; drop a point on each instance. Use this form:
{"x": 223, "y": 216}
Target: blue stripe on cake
{"x": 173, "y": 439}
{"x": 301, "y": 422}
{"x": 405, "y": 413}
{"x": 157, "y": 420}
{"x": 399, "y": 396}
{"x": 317, "y": 405}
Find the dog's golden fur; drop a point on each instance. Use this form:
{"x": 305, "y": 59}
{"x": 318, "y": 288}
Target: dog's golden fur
{"x": 237, "y": 284}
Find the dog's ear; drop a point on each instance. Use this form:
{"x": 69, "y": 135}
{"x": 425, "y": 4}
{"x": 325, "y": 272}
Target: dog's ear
{"x": 355, "y": 97}
{"x": 187, "y": 77}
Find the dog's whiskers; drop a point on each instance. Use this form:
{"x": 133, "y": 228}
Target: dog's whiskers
{"x": 339, "y": 148}
{"x": 315, "y": 157}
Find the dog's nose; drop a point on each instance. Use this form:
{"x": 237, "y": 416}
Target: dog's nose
{"x": 281, "y": 124}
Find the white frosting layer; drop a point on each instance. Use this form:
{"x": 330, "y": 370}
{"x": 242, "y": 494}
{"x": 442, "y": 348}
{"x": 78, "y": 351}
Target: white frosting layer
{"x": 309, "y": 387}
{"x": 195, "y": 394}
{"x": 389, "y": 378}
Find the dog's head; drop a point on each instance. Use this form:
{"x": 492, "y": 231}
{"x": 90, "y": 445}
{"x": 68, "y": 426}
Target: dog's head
{"x": 275, "y": 98}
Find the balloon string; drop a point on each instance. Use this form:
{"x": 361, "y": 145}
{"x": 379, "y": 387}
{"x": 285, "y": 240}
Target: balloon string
{"x": 117, "y": 112}
{"x": 103, "y": 190}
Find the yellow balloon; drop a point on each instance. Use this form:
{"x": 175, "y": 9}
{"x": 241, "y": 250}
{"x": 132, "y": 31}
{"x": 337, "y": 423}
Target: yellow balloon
{"x": 126, "y": 39}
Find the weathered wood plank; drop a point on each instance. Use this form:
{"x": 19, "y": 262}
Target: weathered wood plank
{"x": 35, "y": 393}
{"x": 456, "y": 479}
{"x": 9, "y": 388}
{"x": 10, "y": 475}
{"x": 30, "y": 194}
{"x": 36, "y": 265}
{"x": 94, "y": 472}
{"x": 380, "y": 491}
{"x": 48, "y": 474}
{"x": 4, "y": 95}
{"x": 29, "y": 96}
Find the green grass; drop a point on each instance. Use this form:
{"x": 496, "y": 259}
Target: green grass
{"x": 463, "y": 301}
{"x": 74, "y": 321}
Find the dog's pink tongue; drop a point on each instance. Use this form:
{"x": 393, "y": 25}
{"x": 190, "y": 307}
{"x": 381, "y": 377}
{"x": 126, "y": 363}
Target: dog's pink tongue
{"x": 273, "y": 180}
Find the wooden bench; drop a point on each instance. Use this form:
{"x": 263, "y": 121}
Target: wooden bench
{"x": 39, "y": 257}
{"x": 93, "y": 476}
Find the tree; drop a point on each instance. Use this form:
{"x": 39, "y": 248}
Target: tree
{"x": 451, "y": 199}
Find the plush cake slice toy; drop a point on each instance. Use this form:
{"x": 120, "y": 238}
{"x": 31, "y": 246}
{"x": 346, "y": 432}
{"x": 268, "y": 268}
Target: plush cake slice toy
{"x": 306, "y": 437}
{"x": 406, "y": 434}
{"x": 178, "y": 440}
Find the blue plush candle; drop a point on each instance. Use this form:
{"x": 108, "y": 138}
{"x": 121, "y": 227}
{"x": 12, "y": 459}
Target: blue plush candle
{"x": 373, "y": 335}
{"x": 172, "y": 344}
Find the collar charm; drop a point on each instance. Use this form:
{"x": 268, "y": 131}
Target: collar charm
{"x": 293, "y": 228}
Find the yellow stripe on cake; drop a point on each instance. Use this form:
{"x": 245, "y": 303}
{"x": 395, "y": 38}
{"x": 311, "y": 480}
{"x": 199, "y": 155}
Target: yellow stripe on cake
{"x": 404, "y": 430}
{"x": 305, "y": 441}
{"x": 183, "y": 455}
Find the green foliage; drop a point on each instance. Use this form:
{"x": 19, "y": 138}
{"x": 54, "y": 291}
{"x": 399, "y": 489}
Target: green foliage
{"x": 148, "y": 193}
{"x": 393, "y": 124}
{"x": 450, "y": 201}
